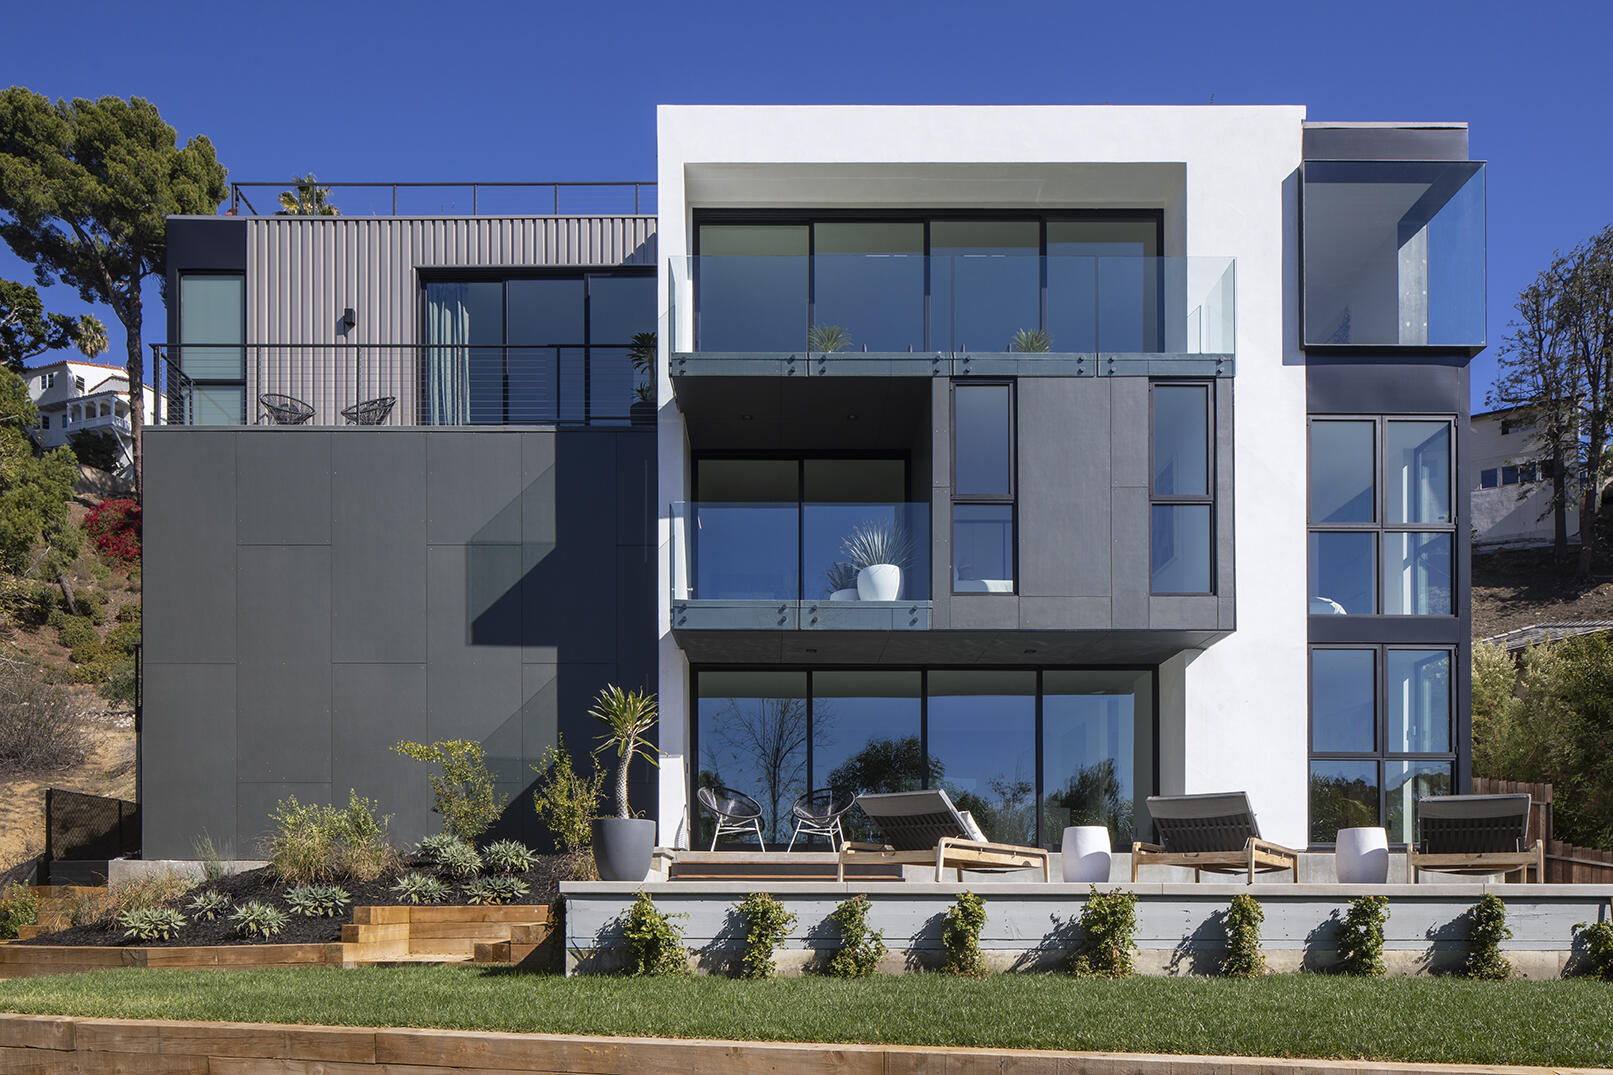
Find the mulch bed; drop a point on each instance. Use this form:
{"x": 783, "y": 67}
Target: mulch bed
{"x": 543, "y": 884}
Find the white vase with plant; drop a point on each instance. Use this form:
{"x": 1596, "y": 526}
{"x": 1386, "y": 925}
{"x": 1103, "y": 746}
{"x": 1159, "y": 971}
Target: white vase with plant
{"x": 879, "y": 551}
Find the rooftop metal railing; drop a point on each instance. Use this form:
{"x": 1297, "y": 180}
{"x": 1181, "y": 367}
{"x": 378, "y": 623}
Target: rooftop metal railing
{"x": 473, "y": 198}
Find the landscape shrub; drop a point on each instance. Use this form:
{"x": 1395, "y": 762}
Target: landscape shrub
{"x": 766, "y": 924}
{"x": 463, "y": 792}
{"x": 124, "y": 638}
{"x": 1487, "y": 928}
{"x": 654, "y": 941}
{"x": 565, "y": 800}
{"x": 1598, "y": 938}
{"x": 210, "y": 856}
{"x": 151, "y": 924}
{"x": 318, "y": 901}
{"x": 860, "y": 948}
{"x": 420, "y": 888}
{"x": 78, "y": 634}
{"x": 91, "y": 605}
{"x": 960, "y": 935}
{"x": 207, "y": 906}
{"x": 129, "y": 613}
{"x": 113, "y": 527}
{"x": 18, "y": 907}
{"x": 97, "y": 448}
{"x": 1244, "y": 958}
{"x": 1360, "y": 936}
{"x": 316, "y": 843}
{"x": 492, "y": 890}
{"x": 147, "y": 891}
{"x": 255, "y": 919}
{"x": 432, "y": 846}
{"x": 41, "y": 729}
{"x": 509, "y": 856}
{"x": 1108, "y": 935}
{"x": 459, "y": 859}
{"x": 117, "y": 681}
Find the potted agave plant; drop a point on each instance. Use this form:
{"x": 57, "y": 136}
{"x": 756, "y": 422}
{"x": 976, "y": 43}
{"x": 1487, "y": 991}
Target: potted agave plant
{"x": 827, "y": 339}
{"x": 624, "y": 844}
{"x": 842, "y": 582}
{"x": 879, "y": 551}
{"x": 1032, "y": 341}
{"x": 641, "y": 353}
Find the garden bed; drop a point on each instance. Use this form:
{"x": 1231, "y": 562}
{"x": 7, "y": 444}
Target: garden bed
{"x": 542, "y": 881}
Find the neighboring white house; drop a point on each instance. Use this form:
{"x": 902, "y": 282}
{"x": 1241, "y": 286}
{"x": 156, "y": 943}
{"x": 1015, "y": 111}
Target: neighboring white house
{"x": 77, "y": 397}
{"x": 1511, "y": 491}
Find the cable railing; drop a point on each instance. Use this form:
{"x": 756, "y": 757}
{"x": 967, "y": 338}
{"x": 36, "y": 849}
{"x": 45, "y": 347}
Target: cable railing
{"x": 450, "y": 197}
{"x": 379, "y": 384}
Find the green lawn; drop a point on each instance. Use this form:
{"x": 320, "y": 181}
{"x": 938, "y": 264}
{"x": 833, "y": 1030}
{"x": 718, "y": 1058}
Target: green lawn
{"x": 1431, "y": 1019}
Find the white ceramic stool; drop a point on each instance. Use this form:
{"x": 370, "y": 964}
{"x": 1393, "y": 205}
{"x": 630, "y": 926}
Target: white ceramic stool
{"x": 1362, "y": 856}
{"x": 1085, "y": 854}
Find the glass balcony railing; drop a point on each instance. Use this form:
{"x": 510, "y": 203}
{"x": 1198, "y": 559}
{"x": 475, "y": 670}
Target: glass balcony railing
{"x": 800, "y": 552}
{"x": 911, "y": 303}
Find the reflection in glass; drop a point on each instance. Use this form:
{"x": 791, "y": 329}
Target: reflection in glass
{"x": 982, "y": 548}
{"x": 982, "y": 439}
{"x": 828, "y": 566}
{"x": 866, "y": 737}
{"x": 985, "y": 282}
{"x": 1181, "y": 440}
{"x": 1419, "y": 701}
{"x": 1394, "y": 253}
{"x": 1342, "y": 486}
{"x": 1343, "y": 683}
{"x": 1406, "y": 783}
{"x": 752, "y": 736}
{"x": 1341, "y": 573}
{"x": 217, "y": 405}
{"x": 1097, "y": 751}
{"x": 1417, "y": 472}
{"x": 611, "y": 383}
{"x": 746, "y": 552}
{"x": 212, "y": 310}
{"x": 1344, "y": 795}
{"x": 1417, "y": 574}
{"x": 1097, "y": 281}
{"x": 620, "y": 307}
{"x": 752, "y": 288}
{"x": 982, "y": 731}
{"x": 868, "y": 279}
{"x": 1179, "y": 546}
{"x": 464, "y": 360}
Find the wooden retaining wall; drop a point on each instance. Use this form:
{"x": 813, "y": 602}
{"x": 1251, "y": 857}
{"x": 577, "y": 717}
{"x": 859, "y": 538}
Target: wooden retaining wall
{"x": 68, "y": 1045}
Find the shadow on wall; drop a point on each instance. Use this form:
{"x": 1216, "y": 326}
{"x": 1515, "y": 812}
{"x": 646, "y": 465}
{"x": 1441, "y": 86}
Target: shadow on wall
{"x": 559, "y": 591}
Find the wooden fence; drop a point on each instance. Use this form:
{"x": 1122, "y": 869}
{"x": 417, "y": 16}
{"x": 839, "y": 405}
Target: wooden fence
{"x": 1565, "y": 863}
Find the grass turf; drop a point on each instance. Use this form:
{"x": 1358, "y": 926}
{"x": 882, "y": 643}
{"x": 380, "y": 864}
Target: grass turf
{"x": 1316, "y": 1016}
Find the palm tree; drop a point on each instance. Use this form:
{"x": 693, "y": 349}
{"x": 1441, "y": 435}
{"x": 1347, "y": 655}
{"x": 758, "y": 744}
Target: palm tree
{"x": 627, "y": 716}
{"x": 307, "y": 198}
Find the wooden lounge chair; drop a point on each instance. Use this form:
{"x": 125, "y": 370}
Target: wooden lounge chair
{"x": 1475, "y": 834}
{"x": 1215, "y": 833}
{"x": 921, "y": 827}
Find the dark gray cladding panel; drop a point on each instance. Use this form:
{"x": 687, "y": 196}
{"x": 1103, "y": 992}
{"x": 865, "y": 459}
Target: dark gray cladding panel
{"x": 1373, "y": 142}
{"x": 388, "y": 584}
{"x": 201, "y": 244}
{"x": 1064, "y": 478}
{"x": 1431, "y": 384}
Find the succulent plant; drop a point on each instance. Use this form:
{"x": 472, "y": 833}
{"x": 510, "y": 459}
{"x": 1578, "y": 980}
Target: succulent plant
{"x": 509, "y": 856}
{"x": 1031, "y": 340}
{"x": 827, "y": 338}
{"x": 878, "y": 543}
{"x": 254, "y": 919}
{"x": 209, "y": 905}
{"x": 151, "y": 924}
{"x": 842, "y": 576}
{"x": 489, "y": 890}
{"x": 318, "y": 901}
{"x": 420, "y": 888}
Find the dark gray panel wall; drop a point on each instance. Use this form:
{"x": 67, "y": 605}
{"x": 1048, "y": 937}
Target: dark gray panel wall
{"x": 315, "y": 595}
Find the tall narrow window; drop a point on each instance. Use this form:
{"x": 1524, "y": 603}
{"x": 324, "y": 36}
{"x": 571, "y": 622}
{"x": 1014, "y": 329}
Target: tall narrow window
{"x": 1180, "y": 486}
{"x": 212, "y": 352}
{"x": 983, "y": 463}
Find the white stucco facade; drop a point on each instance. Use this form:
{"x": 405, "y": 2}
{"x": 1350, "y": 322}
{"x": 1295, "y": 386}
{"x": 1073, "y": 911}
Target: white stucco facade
{"x": 1233, "y": 715}
{"x": 1511, "y": 500}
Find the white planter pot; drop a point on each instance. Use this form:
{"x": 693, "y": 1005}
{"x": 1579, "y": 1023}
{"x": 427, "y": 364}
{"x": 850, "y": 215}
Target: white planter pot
{"x": 1085, "y": 854}
{"x": 1362, "y": 856}
{"x": 848, "y": 594}
{"x": 879, "y": 582}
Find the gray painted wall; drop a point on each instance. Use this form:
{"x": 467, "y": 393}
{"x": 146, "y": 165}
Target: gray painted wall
{"x": 313, "y": 595}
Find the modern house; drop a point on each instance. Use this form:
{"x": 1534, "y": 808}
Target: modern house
{"x": 81, "y": 397}
{"x": 1510, "y": 486}
{"x": 1056, "y": 456}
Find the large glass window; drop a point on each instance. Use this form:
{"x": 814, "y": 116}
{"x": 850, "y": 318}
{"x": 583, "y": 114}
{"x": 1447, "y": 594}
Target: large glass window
{"x": 1405, "y": 784}
{"x": 1394, "y": 253}
{"x": 1381, "y": 539}
{"x": 868, "y": 281}
{"x": 987, "y": 282}
{"x": 867, "y": 736}
{"x": 212, "y": 352}
{"x": 1343, "y": 703}
{"x": 1419, "y": 701}
{"x": 753, "y": 737}
{"x": 1097, "y": 751}
{"x": 1102, "y": 285}
{"x": 1182, "y": 517}
{"x": 982, "y": 735}
{"x": 752, "y": 287}
{"x": 983, "y": 482}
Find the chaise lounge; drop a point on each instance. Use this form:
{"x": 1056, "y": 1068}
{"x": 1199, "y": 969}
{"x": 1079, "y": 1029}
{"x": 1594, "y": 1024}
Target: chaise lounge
{"x": 921, "y": 827}
{"x": 1475, "y": 834}
{"x": 1215, "y": 833}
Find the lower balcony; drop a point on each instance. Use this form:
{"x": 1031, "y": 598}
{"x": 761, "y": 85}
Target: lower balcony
{"x": 765, "y": 566}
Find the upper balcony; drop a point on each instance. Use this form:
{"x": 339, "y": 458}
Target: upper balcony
{"x": 944, "y": 315}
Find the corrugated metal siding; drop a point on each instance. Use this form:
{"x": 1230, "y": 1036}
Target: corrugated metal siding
{"x": 302, "y": 272}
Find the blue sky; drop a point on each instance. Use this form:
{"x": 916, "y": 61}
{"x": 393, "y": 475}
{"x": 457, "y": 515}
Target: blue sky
{"x": 474, "y": 90}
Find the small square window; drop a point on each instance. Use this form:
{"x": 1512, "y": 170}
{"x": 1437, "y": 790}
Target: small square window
{"x": 1509, "y": 475}
{"x": 1490, "y": 478}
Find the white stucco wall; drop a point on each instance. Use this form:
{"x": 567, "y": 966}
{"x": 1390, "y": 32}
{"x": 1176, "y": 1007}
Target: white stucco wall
{"x": 1517, "y": 515}
{"x": 1233, "y": 716}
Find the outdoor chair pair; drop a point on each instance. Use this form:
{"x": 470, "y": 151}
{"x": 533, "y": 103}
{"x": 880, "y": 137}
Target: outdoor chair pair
{"x": 284, "y": 410}
{"x": 816, "y": 813}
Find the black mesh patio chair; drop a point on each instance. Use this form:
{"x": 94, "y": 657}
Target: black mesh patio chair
{"x": 817, "y": 813}
{"x": 735, "y": 812}
{"x": 1475, "y": 834}
{"x": 284, "y": 410}
{"x": 1214, "y": 833}
{"x": 371, "y": 412}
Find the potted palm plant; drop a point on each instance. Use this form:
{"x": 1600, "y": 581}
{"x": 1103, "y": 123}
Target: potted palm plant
{"x": 624, "y": 844}
{"x": 1032, "y": 341}
{"x": 641, "y": 353}
{"x": 879, "y": 551}
{"x": 827, "y": 339}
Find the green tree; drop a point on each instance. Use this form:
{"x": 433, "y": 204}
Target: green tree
{"x": 86, "y": 188}
{"x": 307, "y": 198}
{"x": 35, "y": 530}
{"x": 27, "y": 331}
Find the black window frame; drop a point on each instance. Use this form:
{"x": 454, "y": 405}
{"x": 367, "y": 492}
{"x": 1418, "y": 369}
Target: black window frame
{"x": 1380, "y": 526}
{"x": 1155, "y": 498}
{"x": 245, "y": 380}
{"x": 1010, "y": 500}
{"x": 1380, "y": 720}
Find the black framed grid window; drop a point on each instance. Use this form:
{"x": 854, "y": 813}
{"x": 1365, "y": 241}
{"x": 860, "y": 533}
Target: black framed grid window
{"x": 984, "y": 479}
{"x": 1382, "y": 512}
{"x": 1181, "y": 487}
{"x": 1382, "y": 736}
